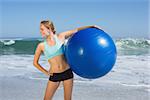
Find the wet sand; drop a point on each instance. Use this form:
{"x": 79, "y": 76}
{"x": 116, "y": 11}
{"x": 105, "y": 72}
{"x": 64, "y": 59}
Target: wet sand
{"x": 18, "y": 88}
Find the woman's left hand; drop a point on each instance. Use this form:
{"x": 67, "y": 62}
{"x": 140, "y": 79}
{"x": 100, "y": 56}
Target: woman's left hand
{"x": 95, "y": 26}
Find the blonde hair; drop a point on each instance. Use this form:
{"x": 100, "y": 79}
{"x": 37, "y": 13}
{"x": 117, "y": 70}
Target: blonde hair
{"x": 49, "y": 25}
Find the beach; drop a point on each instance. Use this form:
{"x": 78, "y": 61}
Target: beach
{"x": 18, "y": 88}
{"x": 128, "y": 80}
{"x": 24, "y": 24}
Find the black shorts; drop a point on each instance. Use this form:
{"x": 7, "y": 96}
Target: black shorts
{"x": 57, "y": 77}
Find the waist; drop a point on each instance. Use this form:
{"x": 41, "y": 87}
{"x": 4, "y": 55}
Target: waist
{"x": 58, "y": 69}
{"x": 63, "y": 71}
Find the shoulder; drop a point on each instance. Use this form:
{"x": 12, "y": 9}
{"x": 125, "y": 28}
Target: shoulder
{"x": 60, "y": 37}
{"x": 40, "y": 46}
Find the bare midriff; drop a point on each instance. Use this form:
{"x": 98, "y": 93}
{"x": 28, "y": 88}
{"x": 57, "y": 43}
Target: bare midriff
{"x": 58, "y": 64}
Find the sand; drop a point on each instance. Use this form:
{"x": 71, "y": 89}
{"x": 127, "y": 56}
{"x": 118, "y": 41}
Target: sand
{"x": 19, "y": 88}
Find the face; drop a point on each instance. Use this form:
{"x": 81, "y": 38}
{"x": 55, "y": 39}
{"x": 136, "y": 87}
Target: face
{"x": 44, "y": 31}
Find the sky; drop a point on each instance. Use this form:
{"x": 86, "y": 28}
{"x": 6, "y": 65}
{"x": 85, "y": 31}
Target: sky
{"x": 118, "y": 18}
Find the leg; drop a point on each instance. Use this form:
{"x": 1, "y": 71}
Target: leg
{"x": 68, "y": 86}
{"x": 50, "y": 90}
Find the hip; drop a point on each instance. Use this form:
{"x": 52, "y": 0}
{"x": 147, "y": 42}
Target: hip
{"x": 67, "y": 74}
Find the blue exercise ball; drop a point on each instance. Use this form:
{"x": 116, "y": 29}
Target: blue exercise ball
{"x": 91, "y": 53}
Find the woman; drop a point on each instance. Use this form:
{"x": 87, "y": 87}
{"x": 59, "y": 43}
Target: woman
{"x": 52, "y": 47}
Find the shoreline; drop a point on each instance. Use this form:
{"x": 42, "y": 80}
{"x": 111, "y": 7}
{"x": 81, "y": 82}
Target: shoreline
{"x": 17, "y": 88}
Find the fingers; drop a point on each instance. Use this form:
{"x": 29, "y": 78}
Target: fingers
{"x": 46, "y": 32}
{"x": 50, "y": 73}
{"x": 97, "y": 27}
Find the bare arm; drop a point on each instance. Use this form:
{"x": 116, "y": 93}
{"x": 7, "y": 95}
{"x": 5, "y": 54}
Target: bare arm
{"x": 71, "y": 32}
{"x": 36, "y": 59}
{"x": 84, "y": 27}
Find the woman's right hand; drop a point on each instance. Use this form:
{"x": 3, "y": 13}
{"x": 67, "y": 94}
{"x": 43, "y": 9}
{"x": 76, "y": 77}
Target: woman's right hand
{"x": 46, "y": 73}
{"x": 50, "y": 73}
{"x": 46, "y": 31}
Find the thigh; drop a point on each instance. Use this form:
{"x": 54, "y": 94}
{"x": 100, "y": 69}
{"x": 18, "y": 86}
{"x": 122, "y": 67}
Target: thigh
{"x": 68, "y": 87}
{"x": 50, "y": 89}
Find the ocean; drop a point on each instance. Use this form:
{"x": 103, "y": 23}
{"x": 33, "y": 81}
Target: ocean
{"x": 127, "y": 46}
{"x": 132, "y": 67}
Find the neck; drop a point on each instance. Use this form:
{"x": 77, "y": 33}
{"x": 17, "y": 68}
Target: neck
{"x": 49, "y": 38}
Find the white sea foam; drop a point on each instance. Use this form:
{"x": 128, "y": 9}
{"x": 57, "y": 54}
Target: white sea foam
{"x": 38, "y": 78}
{"x": 136, "y": 85}
{"x": 10, "y": 42}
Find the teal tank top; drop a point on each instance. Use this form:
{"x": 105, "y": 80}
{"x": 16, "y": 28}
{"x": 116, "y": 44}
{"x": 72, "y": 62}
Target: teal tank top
{"x": 52, "y": 51}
